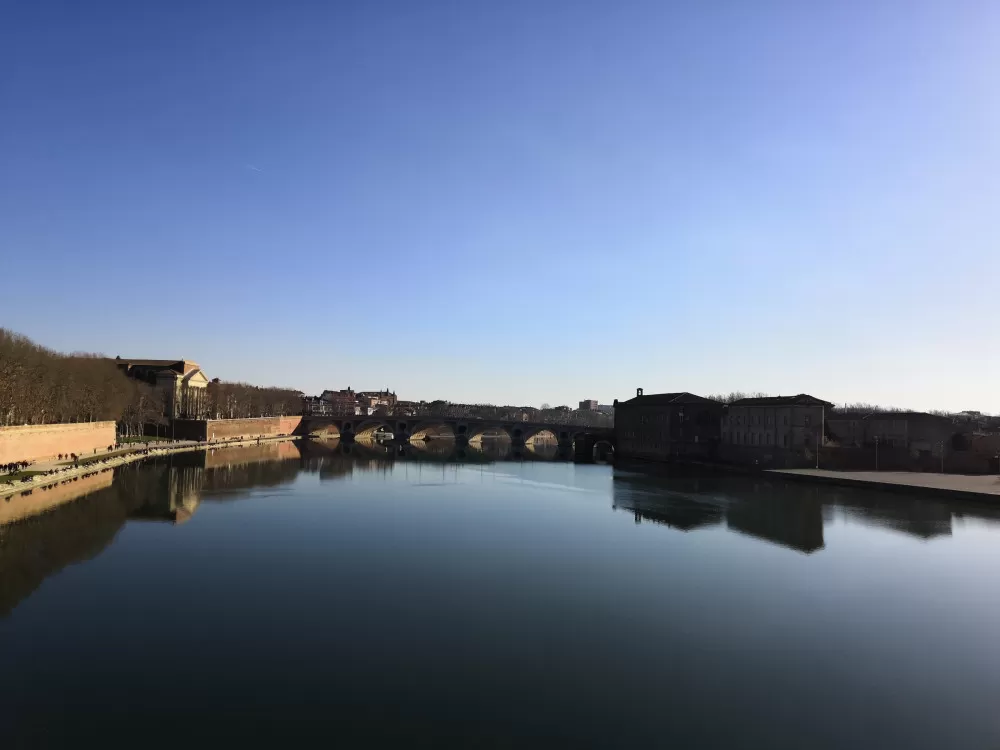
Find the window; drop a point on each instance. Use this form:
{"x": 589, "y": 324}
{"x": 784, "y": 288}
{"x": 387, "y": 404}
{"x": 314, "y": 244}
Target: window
{"x": 807, "y": 420}
{"x": 786, "y": 420}
{"x": 784, "y": 441}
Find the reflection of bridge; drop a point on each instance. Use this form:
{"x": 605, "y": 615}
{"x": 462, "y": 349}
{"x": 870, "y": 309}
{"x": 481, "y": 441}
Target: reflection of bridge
{"x": 405, "y": 429}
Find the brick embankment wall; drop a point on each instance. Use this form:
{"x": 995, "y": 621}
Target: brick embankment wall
{"x": 34, "y": 442}
{"x": 222, "y": 429}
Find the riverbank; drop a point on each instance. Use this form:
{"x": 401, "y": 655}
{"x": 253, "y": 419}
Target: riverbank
{"x": 970, "y": 487}
{"x": 53, "y": 473}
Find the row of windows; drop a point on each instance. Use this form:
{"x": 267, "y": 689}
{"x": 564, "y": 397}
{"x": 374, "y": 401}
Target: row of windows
{"x": 753, "y": 438}
{"x": 761, "y": 419}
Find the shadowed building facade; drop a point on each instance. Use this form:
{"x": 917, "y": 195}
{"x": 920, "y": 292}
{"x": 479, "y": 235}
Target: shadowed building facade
{"x": 665, "y": 426}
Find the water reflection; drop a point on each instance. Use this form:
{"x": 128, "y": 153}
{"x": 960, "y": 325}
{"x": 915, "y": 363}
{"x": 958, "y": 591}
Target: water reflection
{"x": 43, "y": 532}
{"x": 791, "y": 514}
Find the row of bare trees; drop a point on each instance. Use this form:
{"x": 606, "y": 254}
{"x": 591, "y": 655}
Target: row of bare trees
{"x": 243, "y": 401}
{"x": 40, "y": 386}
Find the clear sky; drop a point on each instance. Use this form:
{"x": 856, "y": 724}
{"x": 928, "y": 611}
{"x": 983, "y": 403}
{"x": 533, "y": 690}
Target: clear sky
{"x": 512, "y": 202}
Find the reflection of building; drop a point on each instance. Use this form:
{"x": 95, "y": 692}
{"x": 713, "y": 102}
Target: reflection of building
{"x": 679, "y": 510}
{"x": 785, "y": 516}
{"x": 180, "y": 381}
{"x": 178, "y": 499}
{"x": 790, "y": 520}
{"x": 920, "y": 518}
{"x": 663, "y": 426}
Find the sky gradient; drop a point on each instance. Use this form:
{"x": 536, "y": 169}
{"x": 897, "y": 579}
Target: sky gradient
{"x": 516, "y": 202}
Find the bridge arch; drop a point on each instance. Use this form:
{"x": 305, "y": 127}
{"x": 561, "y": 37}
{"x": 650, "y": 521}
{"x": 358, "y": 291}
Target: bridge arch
{"x": 541, "y": 431}
{"x": 604, "y": 449}
{"x": 366, "y": 429}
{"x": 478, "y": 431}
{"x": 432, "y": 428}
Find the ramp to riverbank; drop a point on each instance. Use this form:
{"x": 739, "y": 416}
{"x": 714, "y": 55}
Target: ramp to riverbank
{"x": 978, "y": 487}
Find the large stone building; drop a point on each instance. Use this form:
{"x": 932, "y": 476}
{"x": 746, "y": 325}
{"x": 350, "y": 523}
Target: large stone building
{"x": 181, "y": 383}
{"x": 919, "y": 432}
{"x": 666, "y": 426}
{"x": 774, "y": 430}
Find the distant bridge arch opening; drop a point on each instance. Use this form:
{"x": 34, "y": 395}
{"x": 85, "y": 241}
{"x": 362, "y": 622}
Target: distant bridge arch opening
{"x": 423, "y": 431}
{"x": 604, "y": 450}
{"x": 542, "y": 435}
{"x": 478, "y": 433}
{"x": 368, "y": 429}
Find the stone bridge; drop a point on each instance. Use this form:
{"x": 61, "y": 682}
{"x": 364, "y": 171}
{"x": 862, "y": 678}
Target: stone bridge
{"x": 405, "y": 429}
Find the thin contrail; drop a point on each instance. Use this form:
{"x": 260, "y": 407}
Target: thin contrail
{"x": 255, "y": 169}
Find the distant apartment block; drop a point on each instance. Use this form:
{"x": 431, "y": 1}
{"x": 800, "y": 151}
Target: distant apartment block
{"x": 316, "y": 406}
{"x": 590, "y": 405}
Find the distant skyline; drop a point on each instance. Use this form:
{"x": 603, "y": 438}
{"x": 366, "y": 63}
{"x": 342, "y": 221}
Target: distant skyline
{"x": 512, "y": 202}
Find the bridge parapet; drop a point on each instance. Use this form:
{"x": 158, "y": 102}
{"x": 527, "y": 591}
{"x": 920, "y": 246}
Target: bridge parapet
{"x": 405, "y": 428}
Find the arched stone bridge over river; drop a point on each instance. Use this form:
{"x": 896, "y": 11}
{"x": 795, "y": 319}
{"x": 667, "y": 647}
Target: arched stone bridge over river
{"x": 405, "y": 429}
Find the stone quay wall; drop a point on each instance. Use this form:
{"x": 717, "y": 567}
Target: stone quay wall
{"x": 242, "y": 429}
{"x": 38, "y": 441}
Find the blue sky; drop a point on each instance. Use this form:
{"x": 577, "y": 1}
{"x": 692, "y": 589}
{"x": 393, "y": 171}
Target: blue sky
{"x": 513, "y": 202}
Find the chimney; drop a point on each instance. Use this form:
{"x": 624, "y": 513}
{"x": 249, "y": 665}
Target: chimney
{"x": 638, "y": 392}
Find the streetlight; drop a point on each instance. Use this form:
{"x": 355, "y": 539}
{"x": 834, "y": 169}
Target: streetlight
{"x": 876, "y": 453}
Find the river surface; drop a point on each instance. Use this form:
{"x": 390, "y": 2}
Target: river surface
{"x": 288, "y": 594}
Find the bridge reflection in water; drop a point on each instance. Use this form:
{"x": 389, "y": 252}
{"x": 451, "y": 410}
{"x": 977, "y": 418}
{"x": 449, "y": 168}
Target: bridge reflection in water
{"x": 43, "y": 532}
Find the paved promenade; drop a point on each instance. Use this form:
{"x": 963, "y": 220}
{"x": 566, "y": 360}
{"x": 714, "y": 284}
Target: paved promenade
{"x": 985, "y": 486}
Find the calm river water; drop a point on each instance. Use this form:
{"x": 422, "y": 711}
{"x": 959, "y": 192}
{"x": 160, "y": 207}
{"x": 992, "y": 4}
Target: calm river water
{"x": 285, "y": 594}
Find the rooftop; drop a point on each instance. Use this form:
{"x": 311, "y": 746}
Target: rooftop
{"x": 802, "y": 399}
{"x": 659, "y": 399}
{"x": 182, "y": 366}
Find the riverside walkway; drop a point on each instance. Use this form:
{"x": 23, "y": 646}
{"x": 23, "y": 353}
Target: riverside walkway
{"x": 52, "y": 472}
